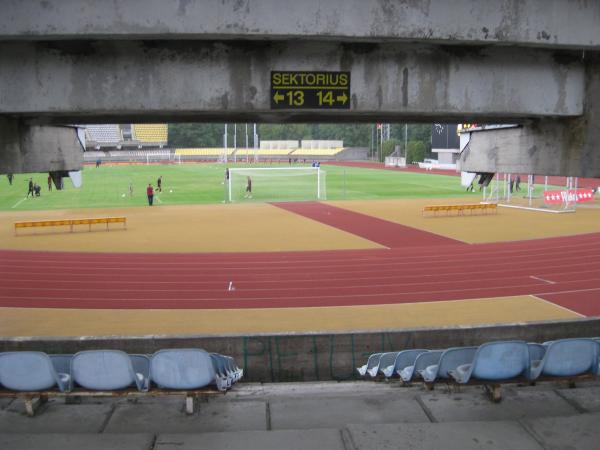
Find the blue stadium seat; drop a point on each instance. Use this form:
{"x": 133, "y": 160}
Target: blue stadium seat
{"x": 404, "y": 359}
{"x": 182, "y": 369}
{"x": 102, "y": 370}
{"x": 141, "y": 364}
{"x": 567, "y": 357}
{"x": 373, "y": 361}
{"x": 226, "y": 371}
{"x": 536, "y": 351}
{"x": 450, "y": 359}
{"x": 423, "y": 361}
{"x": 495, "y": 361}
{"x": 386, "y": 364}
{"x": 31, "y": 371}
{"x": 61, "y": 362}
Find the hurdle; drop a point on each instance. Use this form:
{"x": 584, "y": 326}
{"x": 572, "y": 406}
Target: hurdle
{"x": 473, "y": 208}
{"x": 71, "y": 223}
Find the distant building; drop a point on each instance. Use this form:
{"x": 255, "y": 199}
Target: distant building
{"x": 445, "y": 141}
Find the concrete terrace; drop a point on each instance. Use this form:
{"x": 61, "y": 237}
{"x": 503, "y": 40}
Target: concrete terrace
{"x": 345, "y": 416}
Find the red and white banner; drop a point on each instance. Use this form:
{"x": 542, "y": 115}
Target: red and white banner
{"x": 571, "y": 196}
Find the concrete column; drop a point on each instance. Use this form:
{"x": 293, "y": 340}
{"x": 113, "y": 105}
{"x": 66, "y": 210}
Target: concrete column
{"x": 38, "y": 148}
{"x": 567, "y": 147}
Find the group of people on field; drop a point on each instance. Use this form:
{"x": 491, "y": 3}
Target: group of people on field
{"x": 150, "y": 191}
{"x": 32, "y": 187}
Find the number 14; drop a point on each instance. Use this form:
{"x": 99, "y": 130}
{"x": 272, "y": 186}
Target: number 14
{"x": 325, "y": 98}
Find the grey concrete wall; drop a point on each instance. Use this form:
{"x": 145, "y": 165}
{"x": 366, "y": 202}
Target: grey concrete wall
{"x": 81, "y": 82}
{"x": 553, "y": 23}
{"x": 312, "y": 357}
{"x": 36, "y": 148}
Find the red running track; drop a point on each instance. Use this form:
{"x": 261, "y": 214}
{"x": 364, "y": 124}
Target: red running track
{"x": 565, "y": 271}
{"x": 389, "y": 234}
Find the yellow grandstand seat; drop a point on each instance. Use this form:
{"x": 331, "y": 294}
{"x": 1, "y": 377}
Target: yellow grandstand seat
{"x": 202, "y": 151}
{"x": 156, "y": 132}
{"x": 317, "y": 151}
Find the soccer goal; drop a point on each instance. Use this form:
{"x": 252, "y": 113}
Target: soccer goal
{"x": 277, "y": 184}
{"x": 158, "y": 157}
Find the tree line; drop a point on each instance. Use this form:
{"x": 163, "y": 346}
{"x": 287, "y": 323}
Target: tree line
{"x": 418, "y": 136}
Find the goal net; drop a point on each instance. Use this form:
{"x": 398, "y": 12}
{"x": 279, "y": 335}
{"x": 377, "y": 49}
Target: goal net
{"x": 158, "y": 157}
{"x": 277, "y": 184}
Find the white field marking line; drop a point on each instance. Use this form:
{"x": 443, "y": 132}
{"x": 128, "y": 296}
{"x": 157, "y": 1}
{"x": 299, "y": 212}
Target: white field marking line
{"x": 558, "y": 306}
{"x": 296, "y": 297}
{"x": 268, "y": 281}
{"x": 385, "y": 263}
{"x": 541, "y": 279}
{"x": 19, "y": 202}
{"x": 394, "y": 259}
{"x": 276, "y": 288}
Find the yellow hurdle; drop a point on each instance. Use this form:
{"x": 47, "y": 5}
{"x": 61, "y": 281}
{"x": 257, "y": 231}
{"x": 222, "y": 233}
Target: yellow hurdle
{"x": 71, "y": 222}
{"x": 477, "y": 207}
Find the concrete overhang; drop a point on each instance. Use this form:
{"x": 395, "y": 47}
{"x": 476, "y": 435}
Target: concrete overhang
{"x": 537, "y": 23}
{"x": 120, "y": 81}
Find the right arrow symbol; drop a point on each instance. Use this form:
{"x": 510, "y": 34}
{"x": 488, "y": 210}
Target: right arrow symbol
{"x": 278, "y": 97}
{"x": 342, "y": 98}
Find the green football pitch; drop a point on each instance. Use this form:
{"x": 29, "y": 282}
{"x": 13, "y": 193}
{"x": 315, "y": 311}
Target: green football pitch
{"x": 108, "y": 186}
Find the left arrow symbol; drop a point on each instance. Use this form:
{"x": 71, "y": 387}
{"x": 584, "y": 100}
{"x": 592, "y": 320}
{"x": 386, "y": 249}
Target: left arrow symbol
{"x": 278, "y": 97}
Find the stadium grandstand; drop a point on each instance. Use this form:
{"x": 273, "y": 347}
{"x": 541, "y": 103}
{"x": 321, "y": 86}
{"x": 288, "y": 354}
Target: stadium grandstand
{"x": 151, "y": 133}
{"x": 99, "y": 136}
{"x": 127, "y": 143}
{"x": 147, "y": 143}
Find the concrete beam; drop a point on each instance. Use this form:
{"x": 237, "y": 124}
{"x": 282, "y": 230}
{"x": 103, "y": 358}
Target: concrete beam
{"x": 547, "y": 23}
{"x": 34, "y": 148}
{"x": 566, "y": 147}
{"x": 77, "y": 82}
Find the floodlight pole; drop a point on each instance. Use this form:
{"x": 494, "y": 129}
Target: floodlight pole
{"x": 319, "y": 183}
{"x": 405, "y": 144}
{"x": 246, "y": 143}
{"x": 225, "y": 145}
{"x": 235, "y": 142}
{"x": 255, "y": 144}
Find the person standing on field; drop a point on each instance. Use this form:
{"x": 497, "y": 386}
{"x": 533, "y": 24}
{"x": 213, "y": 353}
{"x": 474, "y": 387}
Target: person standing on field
{"x": 150, "y": 194}
{"x": 30, "y": 191}
{"x": 49, "y": 182}
{"x": 159, "y": 184}
{"x": 248, "y": 188}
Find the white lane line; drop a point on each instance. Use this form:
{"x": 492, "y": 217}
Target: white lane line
{"x": 558, "y": 306}
{"x": 541, "y": 279}
{"x": 19, "y": 202}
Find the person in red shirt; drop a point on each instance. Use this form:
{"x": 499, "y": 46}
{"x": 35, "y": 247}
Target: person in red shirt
{"x": 150, "y": 193}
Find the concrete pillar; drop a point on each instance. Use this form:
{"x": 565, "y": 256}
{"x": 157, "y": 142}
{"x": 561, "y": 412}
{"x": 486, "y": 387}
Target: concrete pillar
{"x": 567, "y": 147}
{"x": 28, "y": 148}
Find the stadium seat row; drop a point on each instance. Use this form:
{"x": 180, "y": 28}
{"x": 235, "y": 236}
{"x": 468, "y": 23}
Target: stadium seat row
{"x": 30, "y": 372}
{"x": 493, "y": 362}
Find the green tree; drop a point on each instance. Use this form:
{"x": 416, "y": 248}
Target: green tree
{"x": 389, "y": 147}
{"x": 416, "y": 152}
{"x": 195, "y": 135}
